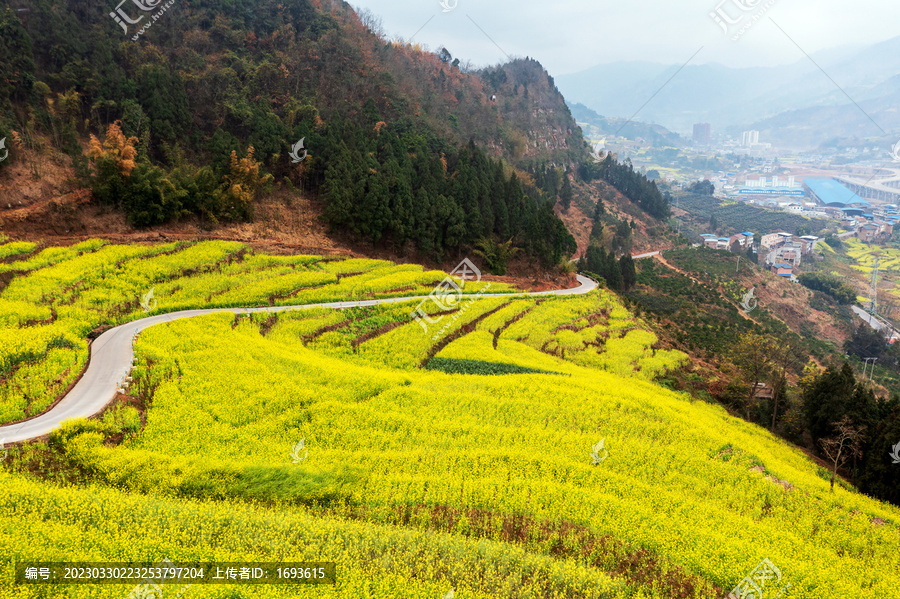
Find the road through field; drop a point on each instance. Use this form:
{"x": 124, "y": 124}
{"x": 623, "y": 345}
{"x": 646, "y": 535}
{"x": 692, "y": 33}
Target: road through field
{"x": 112, "y": 356}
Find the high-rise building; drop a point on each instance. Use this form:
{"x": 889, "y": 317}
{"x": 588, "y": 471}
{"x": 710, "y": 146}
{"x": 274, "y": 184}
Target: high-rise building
{"x": 749, "y": 138}
{"x": 702, "y": 134}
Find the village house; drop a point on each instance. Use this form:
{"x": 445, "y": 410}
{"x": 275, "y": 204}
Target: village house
{"x": 743, "y": 240}
{"x": 737, "y": 242}
{"x": 763, "y": 391}
{"x": 808, "y": 243}
{"x": 783, "y": 270}
{"x": 868, "y": 233}
{"x": 774, "y": 240}
{"x": 790, "y": 253}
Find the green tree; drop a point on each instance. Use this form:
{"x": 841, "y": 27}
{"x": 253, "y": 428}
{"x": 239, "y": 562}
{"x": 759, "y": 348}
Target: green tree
{"x": 17, "y": 67}
{"x": 595, "y": 258}
{"x": 151, "y": 197}
{"x": 833, "y": 395}
{"x": 163, "y": 97}
{"x": 831, "y": 285}
{"x": 866, "y": 342}
{"x": 787, "y": 356}
{"x": 705, "y": 188}
{"x": 612, "y": 273}
{"x": 496, "y": 255}
{"x": 629, "y": 273}
{"x": 880, "y": 475}
{"x": 751, "y": 255}
{"x": 834, "y": 241}
{"x": 565, "y": 193}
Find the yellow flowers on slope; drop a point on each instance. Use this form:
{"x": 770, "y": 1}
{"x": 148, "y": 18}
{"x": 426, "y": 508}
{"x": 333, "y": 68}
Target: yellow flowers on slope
{"x": 480, "y": 483}
{"x": 515, "y": 446}
{"x": 66, "y": 293}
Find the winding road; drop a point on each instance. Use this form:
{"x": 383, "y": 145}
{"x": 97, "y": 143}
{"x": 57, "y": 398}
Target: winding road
{"x": 112, "y": 355}
{"x": 877, "y": 323}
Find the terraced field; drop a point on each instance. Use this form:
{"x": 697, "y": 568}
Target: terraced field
{"x": 463, "y": 454}
{"x": 864, "y": 255}
{"x": 58, "y": 296}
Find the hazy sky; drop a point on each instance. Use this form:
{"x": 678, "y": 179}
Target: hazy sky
{"x": 567, "y": 36}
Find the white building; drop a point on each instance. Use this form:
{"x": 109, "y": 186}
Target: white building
{"x": 749, "y": 138}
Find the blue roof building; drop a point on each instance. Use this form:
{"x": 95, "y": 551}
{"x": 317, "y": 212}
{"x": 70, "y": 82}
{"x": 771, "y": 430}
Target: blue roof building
{"x": 833, "y": 193}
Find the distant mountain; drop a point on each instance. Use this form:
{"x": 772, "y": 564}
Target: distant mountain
{"x": 656, "y": 135}
{"x": 785, "y": 102}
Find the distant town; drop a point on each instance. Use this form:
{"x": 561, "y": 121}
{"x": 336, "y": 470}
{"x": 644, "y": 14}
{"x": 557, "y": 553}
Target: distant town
{"x": 858, "y": 188}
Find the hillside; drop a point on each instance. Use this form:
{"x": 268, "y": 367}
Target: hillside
{"x": 276, "y": 290}
{"x": 656, "y": 136}
{"x": 212, "y": 101}
{"x": 524, "y": 450}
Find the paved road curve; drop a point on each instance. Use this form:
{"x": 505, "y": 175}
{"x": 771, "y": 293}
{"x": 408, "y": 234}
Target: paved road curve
{"x": 112, "y": 355}
{"x": 876, "y": 323}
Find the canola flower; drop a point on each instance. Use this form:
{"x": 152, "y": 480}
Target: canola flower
{"x": 16, "y": 248}
{"x": 516, "y": 445}
{"x": 445, "y": 467}
{"x": 63, "y": 294}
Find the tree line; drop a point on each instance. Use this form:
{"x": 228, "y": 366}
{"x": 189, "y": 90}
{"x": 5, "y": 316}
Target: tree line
{"x": 831, "y": 412}
{"x": 619, "y": 275}
{"x": 632, "y": 184}
{"x": 395, "y": 184}
{"x": 830, "y": 285}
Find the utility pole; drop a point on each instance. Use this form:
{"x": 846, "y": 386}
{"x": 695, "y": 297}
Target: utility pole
{"x": 873, "y": 292}
{"x": 738, "y": 265}
{"x": 866, "y": 366}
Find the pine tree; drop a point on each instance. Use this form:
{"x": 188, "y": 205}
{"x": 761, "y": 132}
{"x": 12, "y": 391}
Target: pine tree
{"x": 612, "y": 273}
{"x": 566, "y": 193}
{"x": 629, "y": 274}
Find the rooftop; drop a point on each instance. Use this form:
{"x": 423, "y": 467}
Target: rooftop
{"x": 832, "y": 193}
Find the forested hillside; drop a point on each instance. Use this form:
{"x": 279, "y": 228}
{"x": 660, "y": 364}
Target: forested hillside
{"x": 404, "y": 146}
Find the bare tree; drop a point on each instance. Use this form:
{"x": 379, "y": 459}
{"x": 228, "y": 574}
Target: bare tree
{"x": 371, "y": 21}
{"x": 845, "y": 445}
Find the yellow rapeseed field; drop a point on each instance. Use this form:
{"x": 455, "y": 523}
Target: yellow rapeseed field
{"x": 413, "y": 480}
